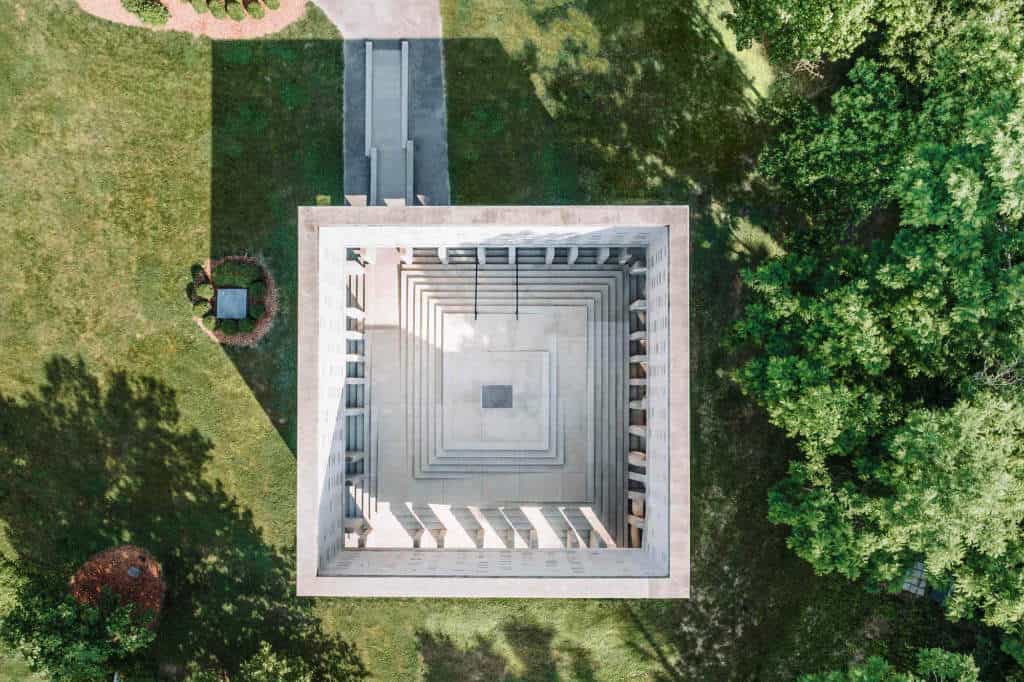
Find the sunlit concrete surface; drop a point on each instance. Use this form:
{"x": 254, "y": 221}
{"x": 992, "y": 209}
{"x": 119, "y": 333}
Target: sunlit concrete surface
{"x": 493, "y": 401}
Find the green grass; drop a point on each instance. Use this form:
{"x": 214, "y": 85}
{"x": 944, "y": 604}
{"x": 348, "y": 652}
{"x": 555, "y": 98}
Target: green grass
{"x": 129, "y": 155}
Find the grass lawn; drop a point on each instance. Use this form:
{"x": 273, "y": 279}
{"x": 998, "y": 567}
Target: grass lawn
{"x": 126, "y": 156}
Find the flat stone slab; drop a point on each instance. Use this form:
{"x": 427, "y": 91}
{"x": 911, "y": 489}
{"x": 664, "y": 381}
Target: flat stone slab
{"x": 232, "y": 304}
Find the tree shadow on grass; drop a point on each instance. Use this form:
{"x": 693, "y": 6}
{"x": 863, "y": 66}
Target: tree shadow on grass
{"x": 88, "y": 462}
{"x": 535, "y": 653}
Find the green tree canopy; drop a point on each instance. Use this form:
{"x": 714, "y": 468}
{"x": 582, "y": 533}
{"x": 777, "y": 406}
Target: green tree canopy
{"x": 898, "y": 368}
{"x": 907, "y": 32}
{"x": 932, "y": 664}
{"x": 71, "y": 641}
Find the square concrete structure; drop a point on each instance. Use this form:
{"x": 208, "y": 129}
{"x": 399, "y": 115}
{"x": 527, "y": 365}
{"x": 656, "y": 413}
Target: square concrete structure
{"x": 232, "y": 303}
{"x": 598, "y": 429}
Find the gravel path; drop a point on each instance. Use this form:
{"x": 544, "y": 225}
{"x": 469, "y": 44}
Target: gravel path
{"x": 185, "y": 19}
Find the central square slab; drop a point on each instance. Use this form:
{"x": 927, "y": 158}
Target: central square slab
{"x": 496, "y": 400}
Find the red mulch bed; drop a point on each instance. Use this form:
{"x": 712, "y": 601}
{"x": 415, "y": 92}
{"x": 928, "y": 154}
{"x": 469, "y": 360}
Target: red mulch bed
{"x": 270, "y": 301}
{"x": 113, "y": 569}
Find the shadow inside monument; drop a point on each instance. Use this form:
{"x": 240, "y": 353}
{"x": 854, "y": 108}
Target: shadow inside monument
{"x": 89, "y": 461}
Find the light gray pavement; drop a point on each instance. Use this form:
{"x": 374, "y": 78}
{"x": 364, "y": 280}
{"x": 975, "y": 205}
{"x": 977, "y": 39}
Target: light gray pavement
{"x": 419, "y": 22}
{"x": 428, "y": 127}
{"x": 395, "y": 19}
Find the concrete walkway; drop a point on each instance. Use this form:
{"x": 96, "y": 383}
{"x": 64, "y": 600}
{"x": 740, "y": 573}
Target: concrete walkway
{"x": 380, "y": 19}
{"x": 419, "y": 22}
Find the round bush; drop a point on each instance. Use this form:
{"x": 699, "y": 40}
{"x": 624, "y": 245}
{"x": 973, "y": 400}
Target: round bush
{"x": 236, "y": 12}
{"x": 272, "y": 4}
{"x": 210, "y": 322}
{"x": 200, "y": 6}
{"x": 228, "y": 327}
{"x": 257, "y": 290}
{"x": 201, "y": 308}
{"x": 246, "y": 326}
{"x": 255, "y": 10}
{"x": 217, "y": 9}
{"x": 150, "y": 11}
{"x": 256, "y": 310}
{"x": 204, "y": 290}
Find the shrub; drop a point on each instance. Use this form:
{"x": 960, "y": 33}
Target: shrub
{"x": 217, "y": 9}
{"x": 200, "y": 6}
{"x": 256, "y": 310}
{"x": 236, "y": 273}
{"x": 150, "y": 11}
{"x": 228, "y": 327}
{"x": 67, "y": 640}
{"x": 246, "y": 326}
{"x": 201, "y": 308}
{"x": 257, "y": 290}
{"x": 255, "y": 10}
{"x": 235, "y": 11}
{"x": 272, "y": 4}
{"x": 204, "y": 290}
{"x": 210, "y": 322}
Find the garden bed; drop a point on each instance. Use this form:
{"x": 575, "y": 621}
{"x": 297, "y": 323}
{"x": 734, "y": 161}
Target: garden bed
{"x": 262, "y": 299}
{"x": 129, "y": 572}
{"x": 183, "y": 17}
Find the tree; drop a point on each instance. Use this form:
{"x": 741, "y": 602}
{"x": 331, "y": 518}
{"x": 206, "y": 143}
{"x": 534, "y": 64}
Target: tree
{"x": 803, "y": 30}
{"x": 840, "y": 167}
{"x": 906, "y": 32}
{"x": 897, "y": 368}
{"x": 68, "y": 640}
{"x": 932, "y": 664}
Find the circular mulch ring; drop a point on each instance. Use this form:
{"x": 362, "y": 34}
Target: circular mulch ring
{"x": 270, "y": 302}
{"x": 185, "y": 19}
{"x": 127, "y": 571}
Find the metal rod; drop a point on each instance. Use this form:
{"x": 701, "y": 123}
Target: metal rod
{"x": 516, "y": 257}
{"x": 476, "y": 279}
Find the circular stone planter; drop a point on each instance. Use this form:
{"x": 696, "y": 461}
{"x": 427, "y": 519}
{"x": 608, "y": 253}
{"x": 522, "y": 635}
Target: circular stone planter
{"x": 269, "y": 301}
{"x": 127, "y": 571}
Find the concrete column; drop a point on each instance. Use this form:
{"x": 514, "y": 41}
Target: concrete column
{"x": 549, "y": 255}
{"x": 406, "y": 255}
{"x": 368, "y": 128}
{"x": 442, "y": 254}
{"x": 604, "y": 256}
{"x": 481, "y": 255}
{"x": 574, "y": 254}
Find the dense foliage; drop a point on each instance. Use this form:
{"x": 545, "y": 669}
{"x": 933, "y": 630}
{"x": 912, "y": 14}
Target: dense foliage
{"x": 932, "y": 664}
{"x": 71, "y": 641}
{"x": 907, "y": 32}
{"x": 897, "y": 367}
{"x": 150, "y": 11}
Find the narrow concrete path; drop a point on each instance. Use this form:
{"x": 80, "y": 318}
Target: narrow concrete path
{"x": 419, "y": 22}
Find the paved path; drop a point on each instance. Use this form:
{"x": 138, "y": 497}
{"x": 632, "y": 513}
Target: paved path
{"x": 409, "y": 19}
{"x": 419, "y": 22}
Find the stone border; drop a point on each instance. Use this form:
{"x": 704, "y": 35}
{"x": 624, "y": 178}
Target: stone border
{"x": 270, "y": 301}
{"x": 472, "y": 221}
{"x": 186, "y": 20}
